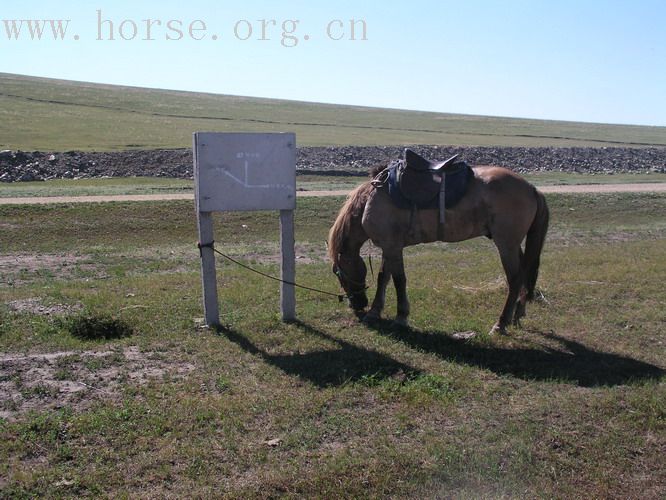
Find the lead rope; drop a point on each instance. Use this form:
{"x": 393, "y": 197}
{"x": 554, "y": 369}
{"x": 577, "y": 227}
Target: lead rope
{"x": 211, "y": 245}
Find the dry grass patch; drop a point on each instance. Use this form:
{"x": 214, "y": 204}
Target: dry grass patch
{"x": 76, "y": 379}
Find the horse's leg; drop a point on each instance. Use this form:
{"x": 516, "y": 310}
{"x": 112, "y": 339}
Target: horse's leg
{"x": 511, "y": 256}
{"x": 400, "y": 282}
{"x": 522, "y": 298}
{"x": 519, "y": 313}
{"x": 383, "y": 278}
{"x": 397, "y": 268}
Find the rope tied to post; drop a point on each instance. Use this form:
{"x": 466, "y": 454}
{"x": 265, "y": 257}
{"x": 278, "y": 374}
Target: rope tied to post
{"x": 201, "y": 246}
{"x": 211, "y": 245}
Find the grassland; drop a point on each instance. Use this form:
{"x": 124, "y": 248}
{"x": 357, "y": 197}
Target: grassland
{"x": 57, "y": 115}
{"x": 570, "y": 406}
{"x": 152, "y": 185}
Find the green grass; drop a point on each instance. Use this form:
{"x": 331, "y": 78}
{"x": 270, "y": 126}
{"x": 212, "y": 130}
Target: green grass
{"x": 567, "y": 179}
{"x": 571, "y": 405}
{"x": 46, "y": 114}
{"x": 96, "y": 187}
{"x": 151, "y": 185}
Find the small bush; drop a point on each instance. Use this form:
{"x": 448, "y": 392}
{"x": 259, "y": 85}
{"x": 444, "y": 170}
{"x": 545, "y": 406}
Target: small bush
{"x": 222, "y": 384}
{"x": 99, "y": 328}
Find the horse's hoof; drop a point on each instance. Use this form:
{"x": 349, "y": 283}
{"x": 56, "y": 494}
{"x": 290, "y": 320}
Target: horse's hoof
{"x": 370, "y": 318}
{"x": 497, "y": 329}
{"x": 401, "y": 321}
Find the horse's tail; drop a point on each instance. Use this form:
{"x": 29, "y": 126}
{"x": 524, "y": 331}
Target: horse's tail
{"x": 348, "y": 220}
{"x": 536, "y": 236}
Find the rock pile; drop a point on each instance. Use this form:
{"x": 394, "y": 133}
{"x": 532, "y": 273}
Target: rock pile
{"x": 37, "y": 166}
{"x": 16, "y": 166}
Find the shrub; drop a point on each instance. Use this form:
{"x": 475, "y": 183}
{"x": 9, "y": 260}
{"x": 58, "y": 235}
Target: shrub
{"x": 99, "y": 328}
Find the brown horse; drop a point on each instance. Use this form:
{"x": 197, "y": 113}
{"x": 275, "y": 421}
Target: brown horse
{"x": 497, "y": 204}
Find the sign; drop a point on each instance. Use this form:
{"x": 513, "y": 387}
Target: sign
{"x": 244, "y": 172}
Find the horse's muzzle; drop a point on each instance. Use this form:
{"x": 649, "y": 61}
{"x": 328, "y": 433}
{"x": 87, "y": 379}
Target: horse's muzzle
{"x": 358, "y": 301}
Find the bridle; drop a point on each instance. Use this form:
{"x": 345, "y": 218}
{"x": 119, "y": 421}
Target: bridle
{"x": 343, "y": 277}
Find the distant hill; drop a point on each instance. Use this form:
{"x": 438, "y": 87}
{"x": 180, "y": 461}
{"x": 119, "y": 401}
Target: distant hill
{"x": 60, "y": 115}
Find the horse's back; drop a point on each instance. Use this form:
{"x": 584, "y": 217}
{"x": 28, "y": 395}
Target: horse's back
{"x": 497, "y": 203}
{"x": 500, "y": 178}
{"x": 510, "y": 199}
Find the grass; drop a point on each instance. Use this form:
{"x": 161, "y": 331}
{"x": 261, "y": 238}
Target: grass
{"x": 57, "y": 115}
{"x": 567, "y": 178}
{"x": 571, "y": 405}
{"x": 148, "y": 185}
{"x": 152, "y": 185}
{"x": 96, "y": 187}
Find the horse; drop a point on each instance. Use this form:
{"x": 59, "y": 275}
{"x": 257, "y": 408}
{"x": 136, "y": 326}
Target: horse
{"x": 497, "y": 204}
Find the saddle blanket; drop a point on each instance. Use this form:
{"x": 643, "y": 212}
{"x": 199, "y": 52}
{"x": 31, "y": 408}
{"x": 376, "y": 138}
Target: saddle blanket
{"x": 454, "y": 190}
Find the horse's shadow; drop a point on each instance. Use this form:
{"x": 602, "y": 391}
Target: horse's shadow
{"x": 571, "y": 362}
{"x": 331, "y": 367}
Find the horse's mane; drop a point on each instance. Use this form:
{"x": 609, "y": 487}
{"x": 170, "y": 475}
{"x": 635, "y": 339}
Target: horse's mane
{"x": 375, "y": 169}
{"x": 352, "y": 208}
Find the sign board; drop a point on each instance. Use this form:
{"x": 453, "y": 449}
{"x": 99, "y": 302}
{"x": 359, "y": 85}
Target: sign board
{"x": 243, "y": 172}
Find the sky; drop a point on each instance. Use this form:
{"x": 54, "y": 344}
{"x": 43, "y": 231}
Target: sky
{"x": 585, "y": 60}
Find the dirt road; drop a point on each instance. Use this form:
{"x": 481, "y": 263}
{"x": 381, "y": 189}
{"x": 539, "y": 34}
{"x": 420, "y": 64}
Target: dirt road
{"x": 578, "y": 188}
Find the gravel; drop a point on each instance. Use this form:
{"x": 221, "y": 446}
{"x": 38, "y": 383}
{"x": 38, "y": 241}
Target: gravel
{"x": 18, "y": 166}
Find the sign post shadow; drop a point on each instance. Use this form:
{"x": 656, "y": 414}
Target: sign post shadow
{"x": 245, "y": 172}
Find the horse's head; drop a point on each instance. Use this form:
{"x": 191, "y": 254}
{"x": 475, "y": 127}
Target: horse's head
{"x": 345, "y": 240}
{"x": 351, "y": 272}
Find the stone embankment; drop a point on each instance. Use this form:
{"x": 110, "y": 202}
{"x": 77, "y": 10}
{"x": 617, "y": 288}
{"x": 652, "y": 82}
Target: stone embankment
{"x": 36, "y": 166}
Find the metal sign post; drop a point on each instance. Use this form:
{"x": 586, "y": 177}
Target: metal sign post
{"x": 245, "y": 172}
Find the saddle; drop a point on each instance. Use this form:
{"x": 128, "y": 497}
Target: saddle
{"x": 421, "y": 180}
{"x": 416, "y": 183}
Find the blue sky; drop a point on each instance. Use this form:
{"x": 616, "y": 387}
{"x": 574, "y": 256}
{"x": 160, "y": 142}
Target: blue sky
{"x": 596, "y": 61}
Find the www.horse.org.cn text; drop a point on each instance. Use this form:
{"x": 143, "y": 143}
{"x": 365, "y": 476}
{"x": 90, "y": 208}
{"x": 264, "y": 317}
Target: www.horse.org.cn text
{"x": 288, "y": 33}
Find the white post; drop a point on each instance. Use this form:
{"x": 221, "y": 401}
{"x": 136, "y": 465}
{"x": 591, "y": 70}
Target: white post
{"x": 288, "y": 272}
{"x": 208, "y": 277}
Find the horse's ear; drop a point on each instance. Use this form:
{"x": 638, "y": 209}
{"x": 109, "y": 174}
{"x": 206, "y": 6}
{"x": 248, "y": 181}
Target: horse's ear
{"x": 415, "y": 160}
